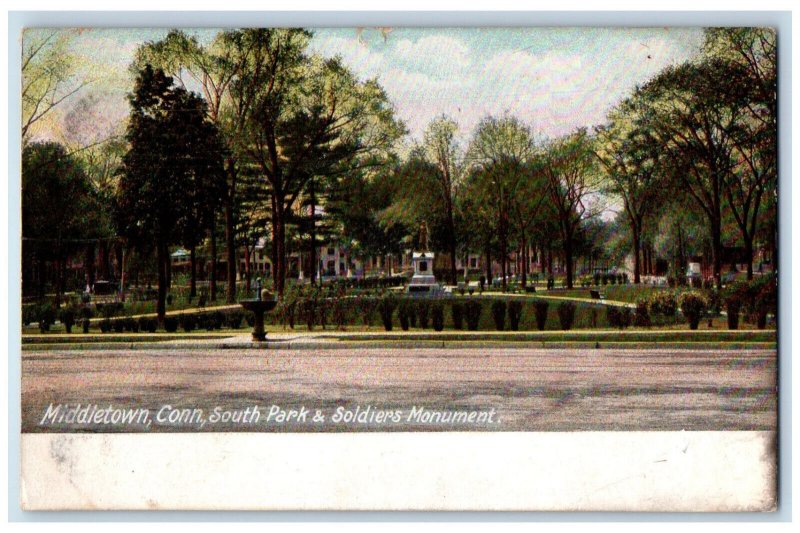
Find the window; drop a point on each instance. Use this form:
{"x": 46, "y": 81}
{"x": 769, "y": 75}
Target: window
{"x": 330, "y": 251}
{"x": 423, "y": 266}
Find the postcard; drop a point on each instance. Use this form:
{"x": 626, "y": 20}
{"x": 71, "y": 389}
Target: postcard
{"x": 399, "y": 268}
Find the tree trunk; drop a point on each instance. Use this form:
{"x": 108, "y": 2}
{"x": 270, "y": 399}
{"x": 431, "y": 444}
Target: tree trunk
{"x": 568, "y": 260}
{"x": 312, "y": 249}
{"x": 716, "y": 251}
{"x": 105, "y": 263}
{"x": 748, "y": 250}
{"x": 118, "y": 258}
{"x": 213, "y": 281}
{"x": 230, "y": 235}
{"x": 163, "y": 261}
{"x": 192, "y": 271}
{"x": 247, "y": 268}
{"x": 230, "y": 253}
{"x": 167, "y": 268}
{"x": 122, "y": 276}
{"x": 488, "y": 263}
{"x": 89, "y": 261}
{"x": 279, "y": 248}
{"x": 637, "y": 278}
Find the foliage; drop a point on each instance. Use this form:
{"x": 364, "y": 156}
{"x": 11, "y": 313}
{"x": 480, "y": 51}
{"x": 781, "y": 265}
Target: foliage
{"x": 67, "y": 317}
{"x": 514, "y": 314}
{"x": 472, "y": 313}
{"x": 386, "y": 306}
{"x": 693, "y": 304}
{"x": 499, "y": 314}
{"x": 403, "y": 313}
{"x": 540, "y": 308}
{"x": 422, "y": 308}
{"x": 437, "y": 316}
{"x": 457, "y": 312}
{"x": 566, "y": 315}
{"x": 642, "y": 317}
{"x": 663, "y": 303}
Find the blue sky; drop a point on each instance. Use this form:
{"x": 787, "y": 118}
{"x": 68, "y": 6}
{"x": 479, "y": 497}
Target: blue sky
{"x": 554, "y": 79}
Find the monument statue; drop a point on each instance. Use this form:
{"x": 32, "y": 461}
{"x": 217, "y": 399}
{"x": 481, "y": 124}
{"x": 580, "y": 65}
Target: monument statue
{"x": 423, "y": 237}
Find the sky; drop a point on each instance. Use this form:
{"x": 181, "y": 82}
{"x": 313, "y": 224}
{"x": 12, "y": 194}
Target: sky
{"x": 553, "y": 79}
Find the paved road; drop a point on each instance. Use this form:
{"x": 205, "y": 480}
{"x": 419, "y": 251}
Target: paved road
{"x": 401, "y": 390}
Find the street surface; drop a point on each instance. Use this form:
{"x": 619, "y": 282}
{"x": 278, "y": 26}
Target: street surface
{"x": 508, "y": 389}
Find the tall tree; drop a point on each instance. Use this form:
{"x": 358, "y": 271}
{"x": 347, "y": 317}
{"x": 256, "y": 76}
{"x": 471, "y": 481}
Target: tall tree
{"x": 60, "y": 212}
{"x": 753, "y": 53}
{"x": 698, "y": 114}
{"x": 48, "y": 75}
{"x": 498, "y": 153}
{"x": 212, "y": 68}
{"x": 442, "y": 150}
{"x": 306, "y": 117}
{"x": 172, "y": 145}
{"x": 635, "y": 169}
{"x": 571, "y": 173}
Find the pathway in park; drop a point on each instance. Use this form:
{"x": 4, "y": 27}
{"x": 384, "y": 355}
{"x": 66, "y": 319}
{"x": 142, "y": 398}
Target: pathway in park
{"x": 525, "y": 389}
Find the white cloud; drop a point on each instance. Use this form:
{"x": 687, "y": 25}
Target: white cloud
{"x": 438, "y": 55}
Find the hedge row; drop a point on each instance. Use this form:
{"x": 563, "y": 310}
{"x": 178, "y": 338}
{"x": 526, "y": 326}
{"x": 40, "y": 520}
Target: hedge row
{"x": 459, "y": 313}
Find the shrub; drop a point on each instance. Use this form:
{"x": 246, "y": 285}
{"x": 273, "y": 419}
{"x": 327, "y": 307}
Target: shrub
{"x": 170, "y": 324}
{"x": 733, "y": 305}
{"x": 85, "y": 323}
{"x": 148, "y": 324}
{"x": 45, "y": 315}
{"x": 613, "y": 316}
{"x": 618, "y": 317}
{"x": 130, "y": 325}
{"x": 437, "y": 316}
{"x": 566, "y": 315}
{"x": 762, "y": 294}
{"x": 693, "y": 305}
{"x": 472, "y": 313}
{"x": 642, "y": 317}
{"x": 714, "y": 300}
{"x": 412, "y": 314}
{"x": 663, "y": 303}
{"x": 625, "y": 317}
{"x": 188, "y": 322}
{"x": 735, "y": 297}
{"x": 110, "y": 309}
{"x": 423, "y": 308}
{"x": 402, "y": 314}
{"x": 118, "y": 325}
{"x": 540, "y": 309}
{"x": 217, "y": 319}
{"x": 105, "y": 325}
{"x": 457, "y": 310}
{"x": 386, "y": 306}
{"x": 233, "y": 319}
{"x": 366, "y": 307}
{"x": 67, "y": 317}
{"x": 514, "y": 314}
{"x": 341, "y": 311}
{"x": 499, "y": 314}
{"x": 29, "y": 314}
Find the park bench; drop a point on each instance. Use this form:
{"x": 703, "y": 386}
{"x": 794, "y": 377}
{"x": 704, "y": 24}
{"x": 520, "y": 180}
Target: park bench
{"x": 595, "y": 294}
